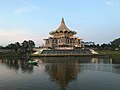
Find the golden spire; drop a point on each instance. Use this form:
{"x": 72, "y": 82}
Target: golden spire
{"x": 62, "y": 26}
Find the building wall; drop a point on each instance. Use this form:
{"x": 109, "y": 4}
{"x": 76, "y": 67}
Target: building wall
{"x": 56, "y": 42}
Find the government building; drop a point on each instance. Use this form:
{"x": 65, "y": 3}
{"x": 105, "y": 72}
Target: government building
{"x": 63, "y": 38}
{"x": 63, "y": 42}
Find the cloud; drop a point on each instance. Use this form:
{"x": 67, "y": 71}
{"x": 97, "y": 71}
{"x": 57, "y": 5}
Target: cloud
{"x": 109, "y": 3}
{"x": 112, "y": 2}
{"x": 26, "y": 7}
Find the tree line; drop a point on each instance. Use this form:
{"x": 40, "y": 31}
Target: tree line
{"x": 113, "y": 45}
{"x": 27, "y": 46}
{"x": 24, "y": 47}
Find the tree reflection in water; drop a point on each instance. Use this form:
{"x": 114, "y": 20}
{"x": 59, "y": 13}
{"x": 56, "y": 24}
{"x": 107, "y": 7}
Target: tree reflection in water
{"x": 16, "y": 64}
{"x": 64, "y": 70}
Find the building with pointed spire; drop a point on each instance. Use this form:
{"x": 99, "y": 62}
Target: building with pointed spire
{"x": 63, "y": 38}
{"x": 63, "y": 42}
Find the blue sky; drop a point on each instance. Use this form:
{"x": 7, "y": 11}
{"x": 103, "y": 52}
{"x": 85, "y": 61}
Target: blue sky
{"x": 93, "y": 20}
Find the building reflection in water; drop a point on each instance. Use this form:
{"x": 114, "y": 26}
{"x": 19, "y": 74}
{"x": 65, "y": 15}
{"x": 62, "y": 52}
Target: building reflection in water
{"x": 101, "y": 60}
{"x": 100, "y": 64}
{"x": 63, "y": 70}
{"x": 116, "y": 67}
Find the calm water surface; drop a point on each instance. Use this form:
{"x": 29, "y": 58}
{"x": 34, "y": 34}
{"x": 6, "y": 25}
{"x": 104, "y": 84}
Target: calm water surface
{"x": 62, "y": 73}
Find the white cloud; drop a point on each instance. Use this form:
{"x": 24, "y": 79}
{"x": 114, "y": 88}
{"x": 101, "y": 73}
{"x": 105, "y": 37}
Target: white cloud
{"x": 26, "y": 7}
{"x": 112, "y": 2}
{"x": 109, "y": 3}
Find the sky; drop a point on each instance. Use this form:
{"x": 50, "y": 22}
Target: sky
{"x": 93, "y": 20}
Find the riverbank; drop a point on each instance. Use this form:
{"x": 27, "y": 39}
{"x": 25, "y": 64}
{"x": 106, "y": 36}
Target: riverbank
{"x": 12, "y": 54}
{"x": 109, "y": 53}
{"x": 62, "y": 55}
{"x": 101, "y": 53}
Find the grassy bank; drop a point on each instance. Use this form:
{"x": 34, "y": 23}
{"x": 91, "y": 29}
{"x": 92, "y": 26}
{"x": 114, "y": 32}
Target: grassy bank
{"x": 109, "y": 53}
{"x": 10, "y": 54}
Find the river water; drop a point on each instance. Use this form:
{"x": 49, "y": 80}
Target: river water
{"x": 60, "y": 73}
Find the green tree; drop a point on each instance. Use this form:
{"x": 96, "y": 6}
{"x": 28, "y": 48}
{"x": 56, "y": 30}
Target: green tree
{"x": 27, "y": 46}
{"x": 18, "y": 46}
{"x": 31, "y": 45}
{"x": 11, "y": 46}
{"x": 115, "y": 44}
